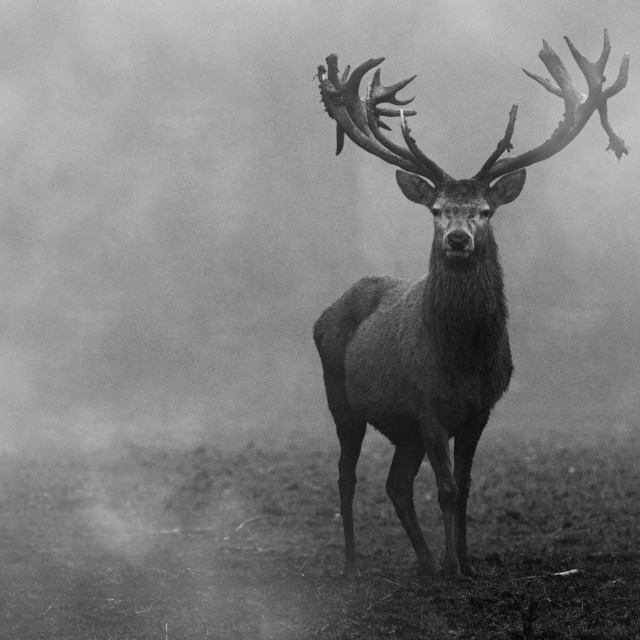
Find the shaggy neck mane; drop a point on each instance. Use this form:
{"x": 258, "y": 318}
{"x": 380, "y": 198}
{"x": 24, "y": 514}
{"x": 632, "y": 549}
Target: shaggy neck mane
{"x": 464, "y": 303}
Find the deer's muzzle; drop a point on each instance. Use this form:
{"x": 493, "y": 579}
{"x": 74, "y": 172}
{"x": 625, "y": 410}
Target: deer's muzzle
{"x": 458, "y": 243}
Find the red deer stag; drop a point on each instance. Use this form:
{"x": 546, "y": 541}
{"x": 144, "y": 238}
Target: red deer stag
{"x": 426, "y": 360}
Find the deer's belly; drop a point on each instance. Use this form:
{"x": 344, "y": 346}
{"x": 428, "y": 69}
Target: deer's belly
{"x": 381, "y": 393}
{"x": 376, "y": 385}
{"x": 380, "y": 400}
{"x": 385, "y": 399}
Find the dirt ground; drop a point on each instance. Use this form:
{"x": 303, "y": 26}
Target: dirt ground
{"x": 167, "y": 544}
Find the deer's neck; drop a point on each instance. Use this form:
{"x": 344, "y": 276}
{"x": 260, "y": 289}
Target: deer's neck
{"x": 464, "y": 306}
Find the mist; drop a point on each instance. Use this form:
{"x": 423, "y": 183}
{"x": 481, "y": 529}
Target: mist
{"x": 174, "y": 217}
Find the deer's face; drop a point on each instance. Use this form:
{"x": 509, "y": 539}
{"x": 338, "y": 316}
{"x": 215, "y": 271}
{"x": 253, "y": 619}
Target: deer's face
{"x": 461, "y": 209}
{"x": 461, "y": 213}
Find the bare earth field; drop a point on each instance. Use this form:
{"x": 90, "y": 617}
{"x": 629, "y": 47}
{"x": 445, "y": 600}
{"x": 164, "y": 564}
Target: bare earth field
{"x": 171, "y": 544}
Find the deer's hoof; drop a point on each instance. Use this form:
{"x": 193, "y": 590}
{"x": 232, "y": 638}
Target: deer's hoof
{"x": 431, "y": 567}
{"x": 451, "y": 570}
{"x": 350, "y": 573}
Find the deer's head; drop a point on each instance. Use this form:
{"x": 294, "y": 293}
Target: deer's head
{"x": 462, "y": 209}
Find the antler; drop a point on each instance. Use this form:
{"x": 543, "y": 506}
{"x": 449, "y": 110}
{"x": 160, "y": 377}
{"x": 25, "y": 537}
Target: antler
{"x": 360, "y": 118}
{"x": 578, "y": 109}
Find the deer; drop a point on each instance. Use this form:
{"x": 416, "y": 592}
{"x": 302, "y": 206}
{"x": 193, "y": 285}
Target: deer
{"x": 424, "y": 361}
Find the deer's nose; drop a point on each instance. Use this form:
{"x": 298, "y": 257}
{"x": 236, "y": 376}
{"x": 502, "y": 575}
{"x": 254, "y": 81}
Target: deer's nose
{"x": 458, "y": 240}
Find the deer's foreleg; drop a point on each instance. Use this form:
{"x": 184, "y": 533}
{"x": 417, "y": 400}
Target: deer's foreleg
{"x": 436, "y": 444}
{"x": 466, "y": 441}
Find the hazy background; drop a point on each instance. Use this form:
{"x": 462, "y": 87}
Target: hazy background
{"x": 174, "y": 219}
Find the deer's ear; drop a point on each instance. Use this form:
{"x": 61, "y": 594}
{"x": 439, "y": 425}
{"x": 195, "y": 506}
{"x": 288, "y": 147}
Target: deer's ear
{"x": 415, "y": 188}
{"x": 508, "y": 188}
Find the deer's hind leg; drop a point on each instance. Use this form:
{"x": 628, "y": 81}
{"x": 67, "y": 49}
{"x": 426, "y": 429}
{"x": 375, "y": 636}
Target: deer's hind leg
{"x": 350, "y": 430}
{"x": 404, "y": 468}
{"x": 350, "y": 435}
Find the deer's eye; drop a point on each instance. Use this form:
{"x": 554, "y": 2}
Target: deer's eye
{"x": 436, "y": 211}
{"x": 485, "y": 213}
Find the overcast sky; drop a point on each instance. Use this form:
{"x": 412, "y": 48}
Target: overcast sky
{"x": 174, "y": 217}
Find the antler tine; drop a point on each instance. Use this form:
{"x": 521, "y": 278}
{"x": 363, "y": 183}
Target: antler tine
{"x": 503, "y": 145}
{"x": 346, "y": 108}
{"x": 393, "y": 113}
{"x": 350, "y": 87}
{"x": 616, "y": 143}
{"x": 433, "y": 171}
{"x": 604, "y": 56}
{"x": 332, "y": 89}
{"x": 372, "y": 121}
{"x": 381, "y": 93}
{"x": 621, "y": 80}
{"x": 360, "y": 119}
{"x": 387, "y": 94}
{"x": 353, "y": 82}
{"x": 578, "y": 108}
{"x": 546, "y": 83}
{"x": 424, "y": 166}
{"x": 558, "y": 72}
{"x": 378, "y": 93}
